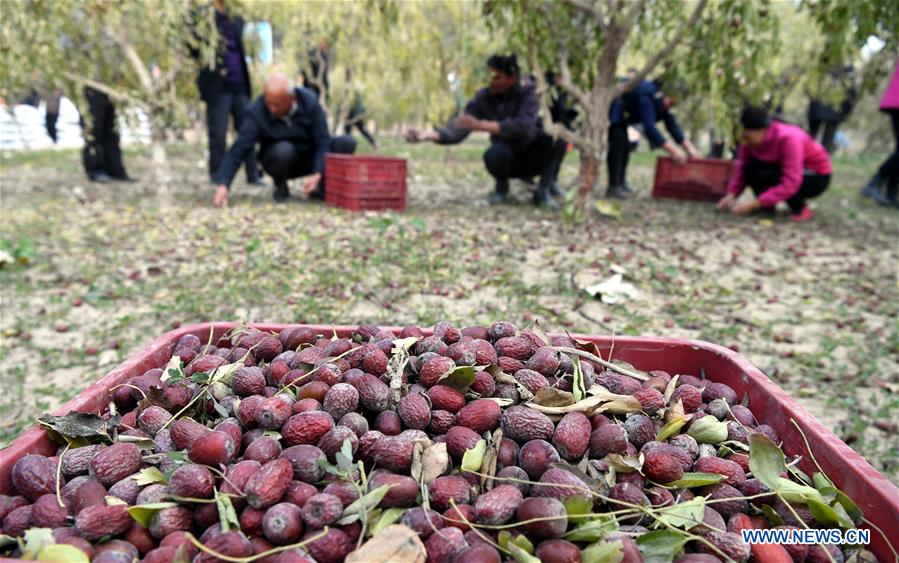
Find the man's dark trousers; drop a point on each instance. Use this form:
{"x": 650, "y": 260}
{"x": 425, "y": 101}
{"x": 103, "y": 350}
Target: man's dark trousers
{"x": 537, "y": 158}
{"x": 284, "y": 160}
{"x": 231, "y": 101}
{"x": 101, "y": 154}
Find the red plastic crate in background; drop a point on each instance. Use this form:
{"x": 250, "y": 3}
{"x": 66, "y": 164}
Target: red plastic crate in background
{"x": 703, "y": 179}
{"x": 365, "y": 182}
{"x": 875, "y": 495}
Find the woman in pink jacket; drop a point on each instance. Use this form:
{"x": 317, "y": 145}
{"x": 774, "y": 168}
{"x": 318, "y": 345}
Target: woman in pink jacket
{"x": 780, "y": 162}
{"x": 888, "y": 173}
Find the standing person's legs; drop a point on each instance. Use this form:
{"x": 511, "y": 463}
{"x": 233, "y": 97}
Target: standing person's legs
{"x": 830, "y": 131}
{"x": 111, "y": 147}
{"x": 888, "y": 172}
{"x": 540, "y": 158}
{"x": 813, "y": 126}
{"x": 498, "y": 160}
{"x": 217, "y": 110}
{"x": 239, "y": 105}
{"x": 92, "y": 154}
{"x": 616, "y": 160}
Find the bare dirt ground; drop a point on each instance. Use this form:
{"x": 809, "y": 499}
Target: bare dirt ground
{"x": 814, "y": 305}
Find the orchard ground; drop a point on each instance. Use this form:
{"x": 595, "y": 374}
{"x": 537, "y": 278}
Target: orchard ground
{"x": 813, "y": 305}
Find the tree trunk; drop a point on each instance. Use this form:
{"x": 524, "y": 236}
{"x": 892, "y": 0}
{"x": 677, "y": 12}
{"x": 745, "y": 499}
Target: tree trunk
{"x": 161, "y": 172}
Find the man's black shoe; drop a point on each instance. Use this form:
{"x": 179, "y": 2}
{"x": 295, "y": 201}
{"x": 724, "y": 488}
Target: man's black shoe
{"x": 616, "y": 192}
{"x": 556, "y": 190}
{"x": 101, "y": 178}
{"x": 282, "y": 193}
{"x": 257, "y": 182}
{"x": 128, "y": 179}
{"x": 629, "y": 189}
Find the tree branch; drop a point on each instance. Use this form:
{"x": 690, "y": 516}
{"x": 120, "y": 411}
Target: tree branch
{"x": 566, "y": 84}
{"x": 662, "y": 53}
{"x": 143, "y": 75}
{"x": 635, "y": 10}
{"x": 555, "y": 130}
{"x": 589, "y": 7}
{"x": 100, "y": 87}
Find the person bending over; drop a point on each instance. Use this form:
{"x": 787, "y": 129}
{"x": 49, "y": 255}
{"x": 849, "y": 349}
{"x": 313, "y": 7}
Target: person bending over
{"x": 292, "y": 132}
{"x": 508, "y": 110}
{"x": 644, "y": 105}
{"x": 780, "y": 162}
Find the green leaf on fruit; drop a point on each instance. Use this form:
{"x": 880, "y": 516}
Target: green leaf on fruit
{"x": 473, "y": 458}
{"x": 661, "y": 545}
{"x": 821, "y": 482}
{"x": 521, "y": 556}
{"x": 593, "y": 530}
{"x": 852, "y": 509}
{"x": 460, "y": 378}
{"x": 369, "y": 500}
{"x": 143, "y": 512}
{"x": 172, "y": 371}
{"x": 388, "y": 517}
{"x": 344, "y": 457}
{"x": 506, "y": 540}
{"x": 139, "y": 441}
{"x": 62, "y": 552}
{"x": 825, "y": 514}
{"x": 227, "y": 514}
{"x": 603, "y": 552}
{"x": 773, "y": 517}
{"x": 7, "y": 540}
{"x": 682, "y": 515}
{"x": 690, "y": 480}
{"x": 670, "y": 429}
{"x": 578, "y": 507}
{"x": 766, "y": 461}
{"x": 149, "y": 476}
{"x": 625, "y": 463}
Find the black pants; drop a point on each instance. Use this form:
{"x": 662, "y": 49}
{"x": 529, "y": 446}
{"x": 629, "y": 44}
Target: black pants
{"x": 538, "y": 158}
{"x": 618, "y": 154}
{"x": 230, "y": 102}
{"x": 284, "y": 160}
{"x": 890, "y": 167}
{"x": 830, "y": 130}
{"x": 101, "y": 153}
{"x": 762, "y": 176}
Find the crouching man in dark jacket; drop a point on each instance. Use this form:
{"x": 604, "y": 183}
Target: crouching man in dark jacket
{"x": 508, "y": 110}
{"x": 292, "y": 132}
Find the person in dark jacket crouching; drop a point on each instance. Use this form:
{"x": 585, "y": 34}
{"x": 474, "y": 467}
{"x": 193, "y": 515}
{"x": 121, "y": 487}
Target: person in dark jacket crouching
{"x": 780, "y": 162}
{"x": 509, "y": 111}
{"x": 292, "y": 132}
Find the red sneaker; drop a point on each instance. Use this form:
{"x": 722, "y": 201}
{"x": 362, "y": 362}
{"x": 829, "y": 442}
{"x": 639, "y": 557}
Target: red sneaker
{"x": 805, "y": 215}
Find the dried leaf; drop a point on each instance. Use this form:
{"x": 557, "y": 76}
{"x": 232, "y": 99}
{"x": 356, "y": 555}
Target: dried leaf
{"x": 500, "y": 402}
{"x": 393, "y": 543}
{"x": 670, "y": 429}
{"x": 625, "y": 463}
{"x": 488, "y": 468}
{"x": 586, "y": 406}
{"x": 62, "y": 552}
{"x": 553, "y": 397}
{"x": 149, "y": 476}
{"x": 397, "y": 364}
{"x": 577, "y": 383}
{"x": 676, "y": 412}
{"x": 74, "y": 425}
{"x": 460, "y": 378}
{"x": 669, "y": 389}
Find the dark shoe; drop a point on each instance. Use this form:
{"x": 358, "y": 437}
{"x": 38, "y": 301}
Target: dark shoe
{"x": 282, "y": 193}
{"x": 556, "y": 190}
{"x": 128, "y": 179}
{"x": 317, "y": 194}
{"x": 543, "y": 200}
{"x": 872, "y": 189}
{"x": 873, "y": 192}
{"x": 616, "y": 192}
{"x": 101, "y": 178}
{"x": 498, "y": 198}
{"x": 629, "y": 189}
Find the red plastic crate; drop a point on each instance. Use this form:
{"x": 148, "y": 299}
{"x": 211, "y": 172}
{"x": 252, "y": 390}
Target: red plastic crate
{"x": 350, "y": 203}
{"x": 365, "y": 177}
{"x": 875, "y": 495}
{"x": 703, "y": 179}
